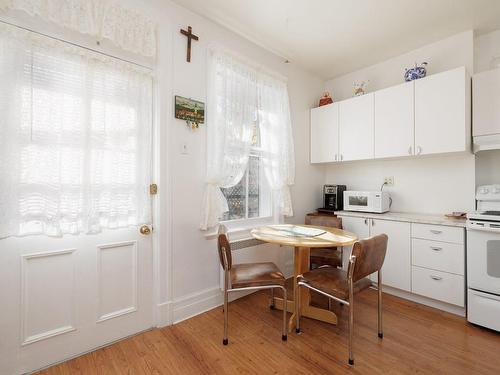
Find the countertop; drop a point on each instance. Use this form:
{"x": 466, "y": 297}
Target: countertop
{"x": 407, "y": 217}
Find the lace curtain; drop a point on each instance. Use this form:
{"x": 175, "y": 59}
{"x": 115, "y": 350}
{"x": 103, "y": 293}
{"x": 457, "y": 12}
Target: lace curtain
{"x": 75, "y": 138}
{"x": 241, "y": 95}
{"x": 232, "y": 98}
{"x": 102, "y": 19}
{"x": 276, "y": 136}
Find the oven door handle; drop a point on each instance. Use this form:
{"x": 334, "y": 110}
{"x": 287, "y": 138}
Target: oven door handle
{"x": 484, "y": 229}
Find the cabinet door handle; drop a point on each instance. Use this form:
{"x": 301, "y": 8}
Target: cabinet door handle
{"x": 373, "y": 222}
{"x": 366, "y": 221}
{"x": 419, "y": 150}
{"x": 435, "y": 248}
{"x": 341, "y": 157}
{"x": 335, "y": 157}
{"x": 409, "y": 150}
{"x": 437, "y": 278}
{"x": 434, "y": 231}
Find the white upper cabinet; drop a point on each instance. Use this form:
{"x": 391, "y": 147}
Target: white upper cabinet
{"x": 356, "y": 128}
{"x": 394, "y": 121}
{"x": 442, "y": 113}
{"x": 486, "y": 103}
{"x": 325, "y": 133}
{"x": 431, "y": 115}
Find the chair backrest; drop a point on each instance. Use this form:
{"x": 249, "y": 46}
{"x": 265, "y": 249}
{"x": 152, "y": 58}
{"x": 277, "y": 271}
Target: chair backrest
{"x": 324, "y": 221}
{"x": 370, "y": 255}
{"x": 224, "y": 247}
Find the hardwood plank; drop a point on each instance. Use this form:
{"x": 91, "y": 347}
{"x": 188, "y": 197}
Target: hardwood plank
{"x": 417, "y": 339}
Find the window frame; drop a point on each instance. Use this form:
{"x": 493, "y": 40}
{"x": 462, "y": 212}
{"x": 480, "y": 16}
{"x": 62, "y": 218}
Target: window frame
{"x": 264, "y": 190}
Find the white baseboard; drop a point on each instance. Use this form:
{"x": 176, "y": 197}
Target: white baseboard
{"x": 164, "y": 314}
{"x": 198, "y": 303}
{"x": 453, "y": 309}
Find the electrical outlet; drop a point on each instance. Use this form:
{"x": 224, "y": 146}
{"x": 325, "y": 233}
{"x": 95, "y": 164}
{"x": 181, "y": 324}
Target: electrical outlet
{"x": 389, "y": 181}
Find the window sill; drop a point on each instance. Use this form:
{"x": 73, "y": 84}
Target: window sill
{"x": 240, "y": 229}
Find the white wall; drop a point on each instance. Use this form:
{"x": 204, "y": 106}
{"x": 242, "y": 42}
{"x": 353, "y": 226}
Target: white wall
{"x": 437, "y": 184}
{"x": 486, "y": 47}
{"x": 427, "y": 185}
{"x": 193, "y": 263}
{"x": 443, "y": 55}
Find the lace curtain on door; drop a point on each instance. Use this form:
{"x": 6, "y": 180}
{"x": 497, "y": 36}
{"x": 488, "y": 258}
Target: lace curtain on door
{"x": 75, "y": 138}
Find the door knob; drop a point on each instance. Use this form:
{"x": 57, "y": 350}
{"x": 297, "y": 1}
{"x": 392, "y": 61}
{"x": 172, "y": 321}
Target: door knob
{"x": 145, "y": 230}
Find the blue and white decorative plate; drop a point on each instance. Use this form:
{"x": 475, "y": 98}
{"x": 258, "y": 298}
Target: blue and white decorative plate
{"x": 416, "y": 72}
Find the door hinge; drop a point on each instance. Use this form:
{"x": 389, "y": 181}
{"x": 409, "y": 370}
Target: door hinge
{"x": 153, "y": 189}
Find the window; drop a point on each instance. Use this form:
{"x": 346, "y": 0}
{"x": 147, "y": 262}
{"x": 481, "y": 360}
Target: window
{"x": 250, "y": 157}
{"x": 251, "y": 197}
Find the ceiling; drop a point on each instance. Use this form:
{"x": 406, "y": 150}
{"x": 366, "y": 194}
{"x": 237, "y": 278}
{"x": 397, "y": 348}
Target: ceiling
{"x": 334, "y": 37}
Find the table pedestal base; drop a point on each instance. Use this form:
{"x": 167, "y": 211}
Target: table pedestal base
{"x": 306, "y": 312}
{"x": 301, "y": 265}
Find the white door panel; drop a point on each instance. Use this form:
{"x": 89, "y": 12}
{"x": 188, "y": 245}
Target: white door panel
{"x": 442, "y": 113}
{"x": 396, "y": 271}
{"x": 356, "y": 128}
{"x": 394, "y": 121}
{"x": 325, "y": 133}
{"x": 360, "y": 227}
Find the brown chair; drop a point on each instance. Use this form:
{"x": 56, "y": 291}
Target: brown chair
{"x": 329, "y": 256}
{"x": 367, "y": 257}
{"x": 247, "y": 276}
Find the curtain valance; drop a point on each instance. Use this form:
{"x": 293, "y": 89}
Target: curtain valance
{"x": 102, "y": 19}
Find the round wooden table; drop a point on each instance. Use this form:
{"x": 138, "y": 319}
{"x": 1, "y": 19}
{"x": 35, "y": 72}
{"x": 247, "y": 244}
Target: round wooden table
{"x": 302, "y": 238}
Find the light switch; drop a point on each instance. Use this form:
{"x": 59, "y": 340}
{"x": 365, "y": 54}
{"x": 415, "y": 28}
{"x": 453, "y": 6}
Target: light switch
{"x": 184, "y": 148}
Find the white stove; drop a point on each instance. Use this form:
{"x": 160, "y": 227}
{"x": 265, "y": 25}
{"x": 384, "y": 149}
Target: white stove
{"x": 483, "y": 259}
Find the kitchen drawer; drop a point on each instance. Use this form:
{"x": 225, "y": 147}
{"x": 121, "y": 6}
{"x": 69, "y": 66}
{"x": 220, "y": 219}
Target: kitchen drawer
{"x": 441, "y": 256}
{"x": 437, "y": 233}
{"x": 438, "y": 285}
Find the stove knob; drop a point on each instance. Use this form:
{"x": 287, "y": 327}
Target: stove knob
{"x": 496, "y": 190}
{"x": 484, "y": 190}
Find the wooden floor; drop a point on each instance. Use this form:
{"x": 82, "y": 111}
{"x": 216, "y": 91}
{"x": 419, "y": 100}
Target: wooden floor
{"x": 417, "y": 339}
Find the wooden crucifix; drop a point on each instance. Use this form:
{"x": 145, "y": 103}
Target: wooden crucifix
{"x": 189, "y": 36}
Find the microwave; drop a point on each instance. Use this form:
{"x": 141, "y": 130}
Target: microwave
{"x": 367, "y": 201}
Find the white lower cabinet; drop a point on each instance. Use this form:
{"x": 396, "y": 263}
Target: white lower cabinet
{"x": 423, "y": 259}
{"x": 442, "y": 286}
{"x": 396, "y": 271}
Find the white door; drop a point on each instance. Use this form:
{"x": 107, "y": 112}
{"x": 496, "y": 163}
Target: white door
{"x": 394, "y": 121}
{"x": 359, "y": 226}
{"x": 396, "y": 271}
{"x": 442, "y": 113}
{"x": 356, "y": 128}
{"x": 325, "y": 133}
{"x": 76, "y": 162}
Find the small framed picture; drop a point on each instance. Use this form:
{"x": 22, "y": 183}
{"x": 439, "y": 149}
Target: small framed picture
{"x": 192, "y": 111}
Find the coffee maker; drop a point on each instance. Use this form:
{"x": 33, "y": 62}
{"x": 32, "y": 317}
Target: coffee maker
{"x": 333, "y": 198}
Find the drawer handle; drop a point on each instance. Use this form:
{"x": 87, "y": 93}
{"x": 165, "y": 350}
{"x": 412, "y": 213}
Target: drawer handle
{"x": 437, "y": 278}
{"x": 436, "y": 231}
{"x": 435, "y": 248}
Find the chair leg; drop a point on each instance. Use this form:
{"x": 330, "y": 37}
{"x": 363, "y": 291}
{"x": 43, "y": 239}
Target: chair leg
{"x": 297, "y": 308}
{"x": 351, "y": 326}
{"x": 225, "y": 340}
{"x": 271, "y": 306}
{"x": 379, "y": 285}
{"x": 284, "y": 336}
